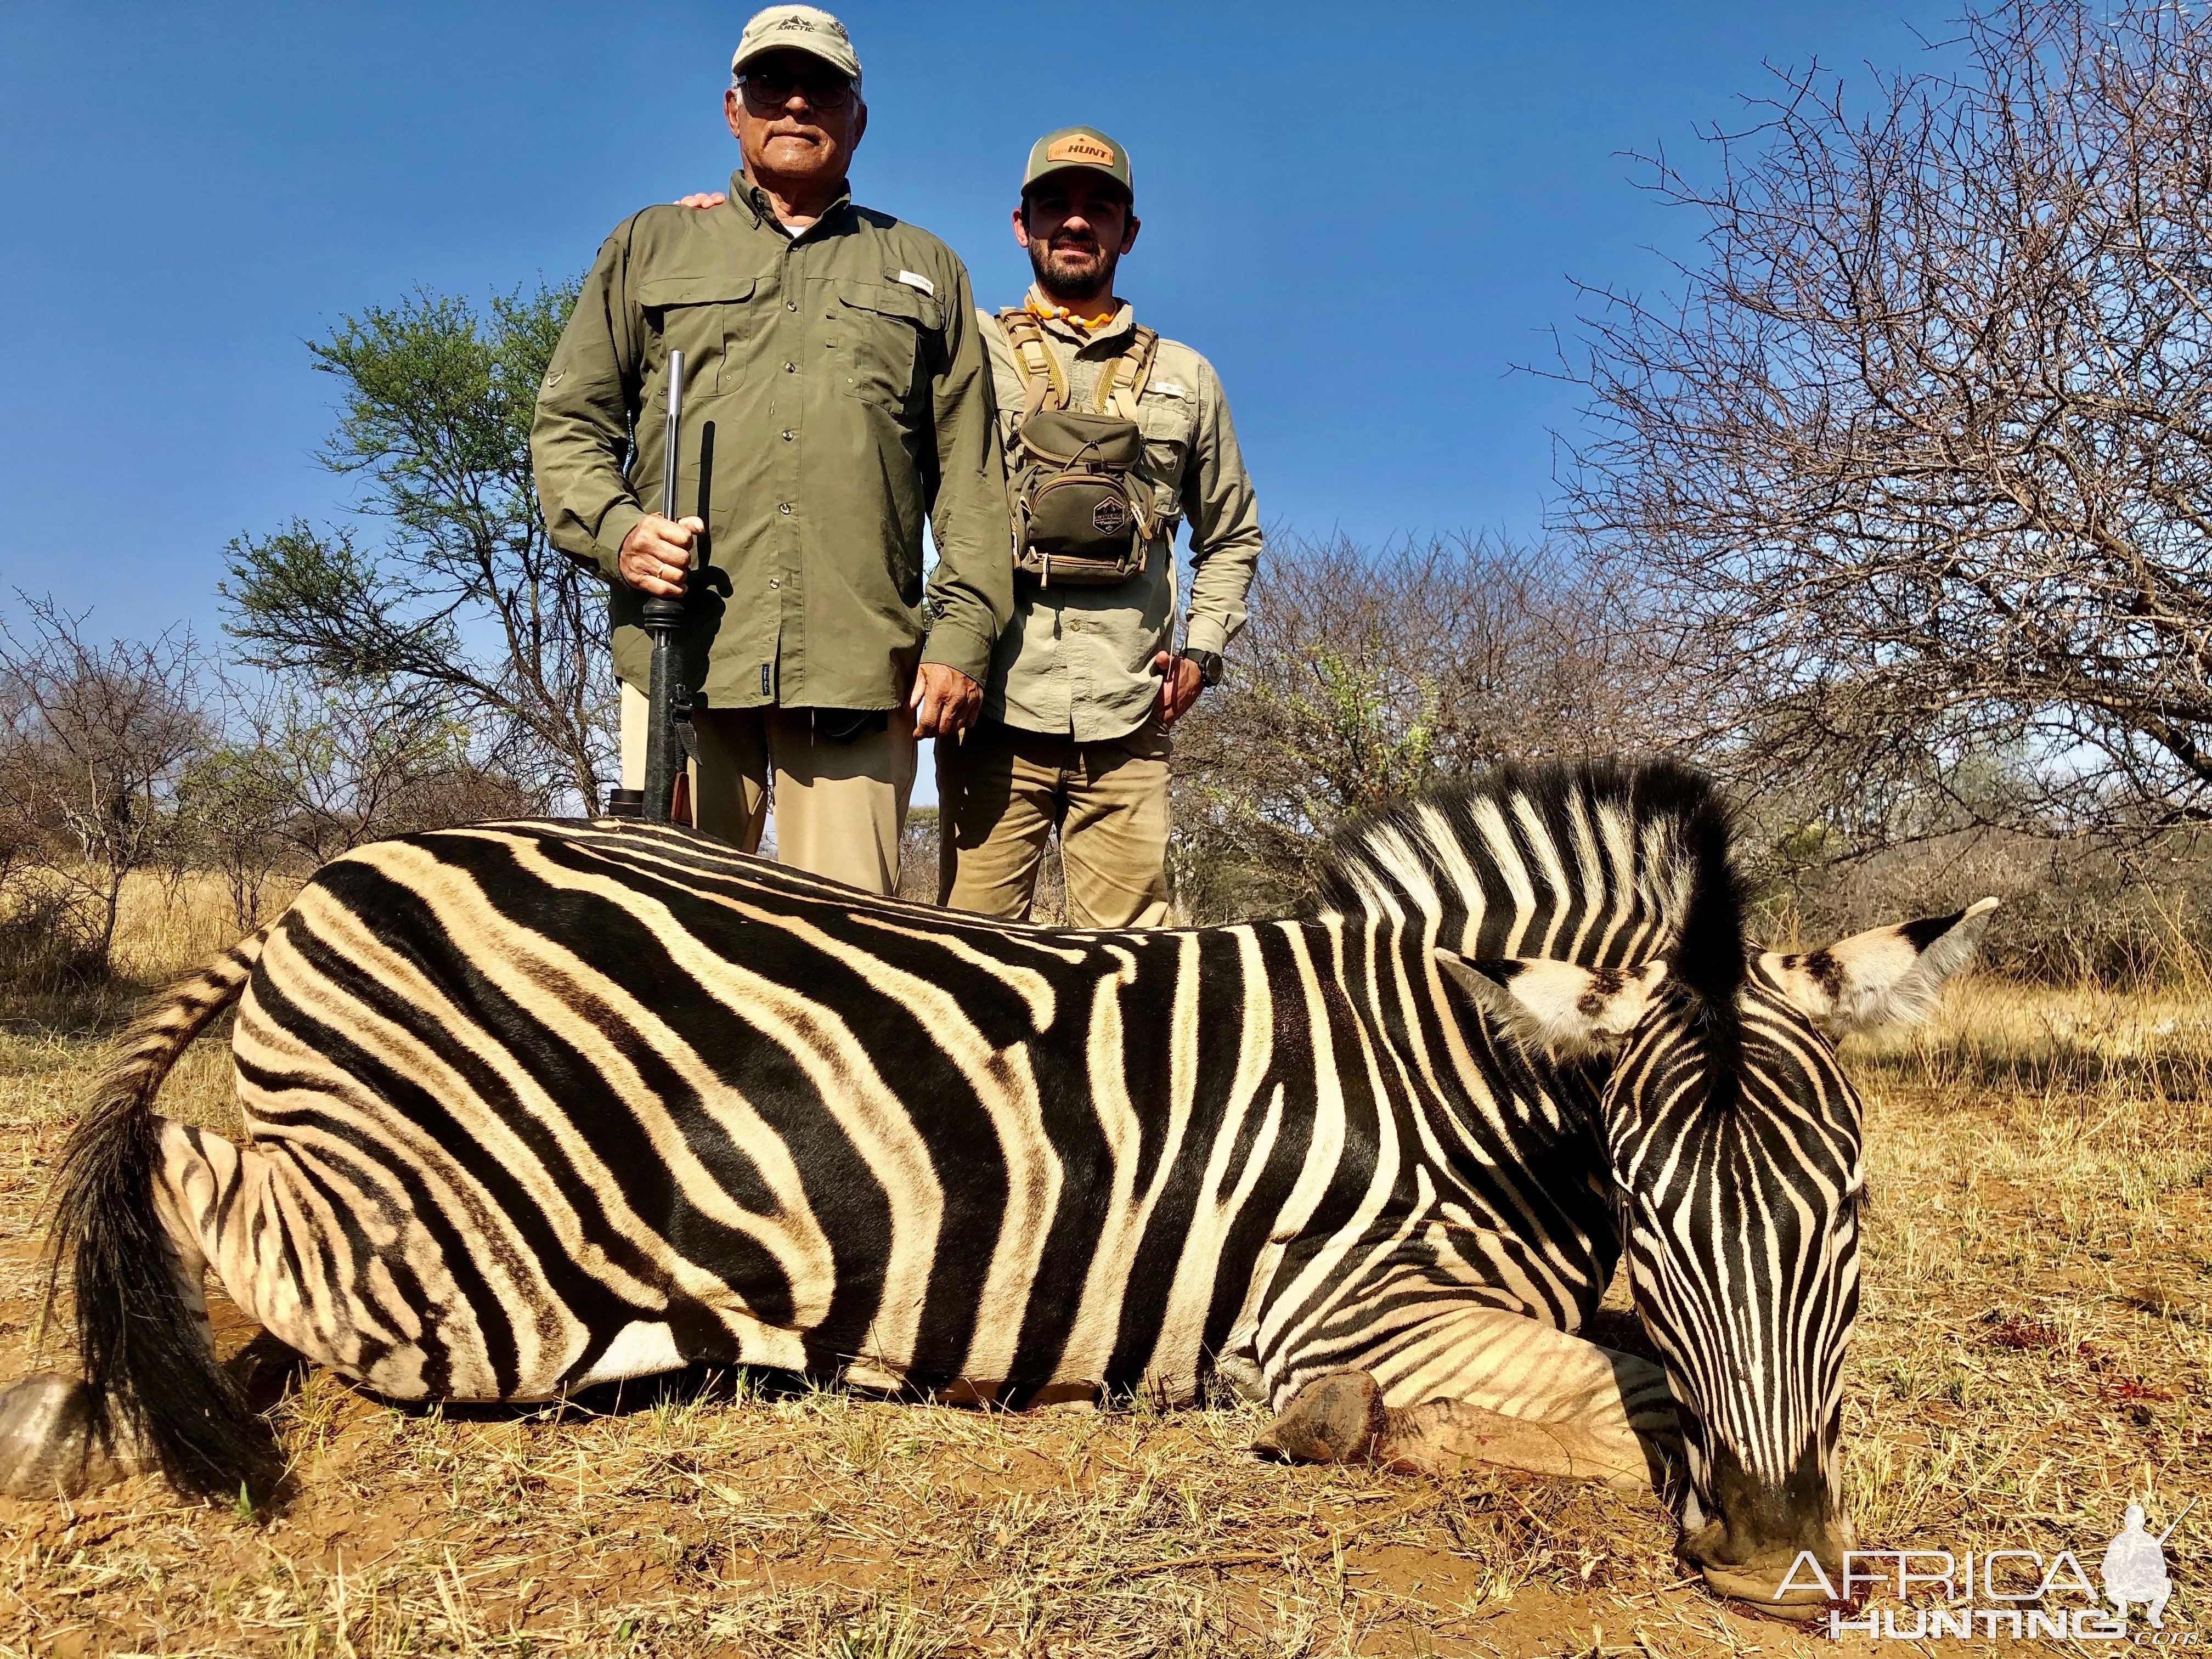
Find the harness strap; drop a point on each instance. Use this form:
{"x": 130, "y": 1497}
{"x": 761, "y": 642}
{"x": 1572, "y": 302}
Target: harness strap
{"x": 1043, "y": 385}
{"x": 1137, "y": 362}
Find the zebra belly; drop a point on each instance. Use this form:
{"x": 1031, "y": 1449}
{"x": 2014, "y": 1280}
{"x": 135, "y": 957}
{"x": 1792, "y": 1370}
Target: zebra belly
{"x": 393, "y": 1278}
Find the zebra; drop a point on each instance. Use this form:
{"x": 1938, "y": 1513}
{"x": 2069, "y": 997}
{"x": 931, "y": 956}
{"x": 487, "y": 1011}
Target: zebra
{"x": 534, "y": 1105}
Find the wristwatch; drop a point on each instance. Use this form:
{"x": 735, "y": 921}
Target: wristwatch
{"x": 1211, "y": 668}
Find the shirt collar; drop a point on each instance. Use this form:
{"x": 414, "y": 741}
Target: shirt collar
{"x": 1124, "y": 320}
{"x": 744, "y": 190}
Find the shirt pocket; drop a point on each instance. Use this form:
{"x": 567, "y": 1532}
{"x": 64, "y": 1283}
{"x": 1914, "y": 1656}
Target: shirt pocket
{"x": 881, "y": 340}
{"x": 1170, "y": 424}
{"x": 706, "y": 319}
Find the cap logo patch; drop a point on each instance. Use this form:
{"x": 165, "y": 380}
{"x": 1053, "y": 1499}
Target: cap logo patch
{"x": 1077, "y": 146}
{"x": 1110, "y": 516}
{"x": 829, "y": 26}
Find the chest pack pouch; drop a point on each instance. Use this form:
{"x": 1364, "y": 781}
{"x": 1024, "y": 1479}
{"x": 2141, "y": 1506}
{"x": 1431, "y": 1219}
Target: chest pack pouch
{"x": 1082, "y": 510}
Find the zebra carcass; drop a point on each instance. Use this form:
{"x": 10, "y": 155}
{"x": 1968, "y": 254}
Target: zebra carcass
{"x": 534, "y": 1105}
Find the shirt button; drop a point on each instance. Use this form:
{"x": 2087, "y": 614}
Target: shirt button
{"x": 791, "y": 369}
{"x": 785, "y": 508}
{"x": 790, "y": 304}
{"x": 787, "y": 434}
{"x": 774, "y": 582}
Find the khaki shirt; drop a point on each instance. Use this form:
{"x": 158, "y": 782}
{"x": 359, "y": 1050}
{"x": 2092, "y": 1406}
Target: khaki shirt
{"x": 835, "y": 395}
{"x": 1078, "y": 661}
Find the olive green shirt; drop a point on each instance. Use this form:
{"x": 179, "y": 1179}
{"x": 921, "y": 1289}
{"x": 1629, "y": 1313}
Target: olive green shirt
{"x": 1078, "y": 661}
{"x": 835, "y": 395}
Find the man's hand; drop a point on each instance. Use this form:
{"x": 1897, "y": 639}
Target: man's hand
{"x": 944, "y": 701}
{"x": 656, "y": 553}
{"x": 704, "y": 198}
{"x": 1181, "y": 681}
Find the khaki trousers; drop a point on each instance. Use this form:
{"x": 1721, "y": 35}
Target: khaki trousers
{"x": 839, "y": 806}
{"x": 1001, "y": 794}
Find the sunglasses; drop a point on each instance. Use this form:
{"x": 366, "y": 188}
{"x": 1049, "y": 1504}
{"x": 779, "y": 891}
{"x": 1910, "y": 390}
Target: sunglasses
{"x": 772, "y": 88}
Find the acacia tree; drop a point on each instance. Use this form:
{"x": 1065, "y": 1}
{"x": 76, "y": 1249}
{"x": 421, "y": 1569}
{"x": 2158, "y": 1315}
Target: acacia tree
{"x": 1918, "y": 459}
{"x": 469, "y": 613}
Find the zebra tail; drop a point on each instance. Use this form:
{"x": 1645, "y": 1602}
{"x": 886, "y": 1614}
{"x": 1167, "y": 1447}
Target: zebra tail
{"x": 142, "y": 1344}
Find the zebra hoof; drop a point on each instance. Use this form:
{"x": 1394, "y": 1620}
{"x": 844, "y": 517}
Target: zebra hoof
{"x": 1336, "y": 1418}
{"x": 49, "y": 1444}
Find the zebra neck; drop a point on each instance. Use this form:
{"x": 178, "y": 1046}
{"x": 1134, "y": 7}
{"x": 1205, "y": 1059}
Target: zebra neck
{"x": 1437, "y": 1055}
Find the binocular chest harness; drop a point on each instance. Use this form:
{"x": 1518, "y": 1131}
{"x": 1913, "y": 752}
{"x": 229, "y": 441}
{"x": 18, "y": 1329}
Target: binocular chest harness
{"x": 1083, "y": 511}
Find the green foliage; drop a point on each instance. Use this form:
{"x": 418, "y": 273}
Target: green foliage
{"x": 435, "y": 417}
{"x": 1379, "y": 738}
{"x": 300, "y": 598}
{"x": 467, "y": 609}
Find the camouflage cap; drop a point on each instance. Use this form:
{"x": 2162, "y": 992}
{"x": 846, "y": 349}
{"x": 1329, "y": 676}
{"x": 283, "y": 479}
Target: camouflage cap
{"x": 797, "y": 28}
{"x": 1078, "y": 147}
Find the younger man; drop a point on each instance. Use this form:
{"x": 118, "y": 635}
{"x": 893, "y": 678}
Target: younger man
{"x": 1086, "y": 680}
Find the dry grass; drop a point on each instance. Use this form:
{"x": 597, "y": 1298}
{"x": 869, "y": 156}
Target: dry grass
{"x": 2034, "y": 1354}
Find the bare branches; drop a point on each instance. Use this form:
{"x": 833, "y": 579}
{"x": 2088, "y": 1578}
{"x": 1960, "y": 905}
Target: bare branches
{"x": 93, "y": 738}
{"x": 1365, "y": 674}
{"x": 1919, "y": 460}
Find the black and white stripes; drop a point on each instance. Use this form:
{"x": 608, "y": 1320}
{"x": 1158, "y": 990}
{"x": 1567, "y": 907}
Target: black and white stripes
{"x": 532, "y": 1105}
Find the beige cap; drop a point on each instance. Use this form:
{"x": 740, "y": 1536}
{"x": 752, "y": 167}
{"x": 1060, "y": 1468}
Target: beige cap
{"x": 1078, "y": 147}
{"x": 797, "y": 28}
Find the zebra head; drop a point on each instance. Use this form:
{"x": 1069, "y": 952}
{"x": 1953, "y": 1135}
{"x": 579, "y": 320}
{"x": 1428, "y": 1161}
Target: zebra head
{"x": 1737, "y": 1147}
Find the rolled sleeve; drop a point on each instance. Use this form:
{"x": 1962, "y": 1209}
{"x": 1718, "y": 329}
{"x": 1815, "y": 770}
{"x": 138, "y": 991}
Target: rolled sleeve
{"x": 971, "y": 591}
{"x": 1224, "y": 523}
{"x": 960, "y": 647}
{"x": 580, "y": 436}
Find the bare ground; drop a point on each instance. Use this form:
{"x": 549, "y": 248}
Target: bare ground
{"x": 2036, "y": 1352}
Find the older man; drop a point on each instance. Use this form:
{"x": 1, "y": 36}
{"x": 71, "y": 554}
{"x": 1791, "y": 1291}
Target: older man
{"x": 836, "y": 394}
{"x": 1087, "y": 679}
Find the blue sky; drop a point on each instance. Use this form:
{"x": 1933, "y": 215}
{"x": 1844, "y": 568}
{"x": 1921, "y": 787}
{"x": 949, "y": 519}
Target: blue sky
{"x": 1362, "y": 215}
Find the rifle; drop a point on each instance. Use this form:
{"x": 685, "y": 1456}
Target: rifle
{"x": 668, "y": 740}
{"x": 2178, "y": 1519}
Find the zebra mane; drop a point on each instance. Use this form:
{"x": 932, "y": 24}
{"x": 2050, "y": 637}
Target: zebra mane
{"x": 1599, "y": 863}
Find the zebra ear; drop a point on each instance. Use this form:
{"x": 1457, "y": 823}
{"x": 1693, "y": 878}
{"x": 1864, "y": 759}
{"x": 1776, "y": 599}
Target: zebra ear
{"x": 1562, "y": 1009}
{"x": 1886, "y": 975}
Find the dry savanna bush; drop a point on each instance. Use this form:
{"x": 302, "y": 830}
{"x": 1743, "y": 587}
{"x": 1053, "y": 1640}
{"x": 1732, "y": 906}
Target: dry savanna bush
{"x": 1369, "y": 673}
{"x": 121, "y": 759}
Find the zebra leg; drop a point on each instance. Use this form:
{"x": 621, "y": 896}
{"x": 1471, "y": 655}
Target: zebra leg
{"x": 1480, "y": 1386}
{"x": 56, "y": 1438}
{"x": 333, "y": 1263}
{"x": 228, "y": 1211}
